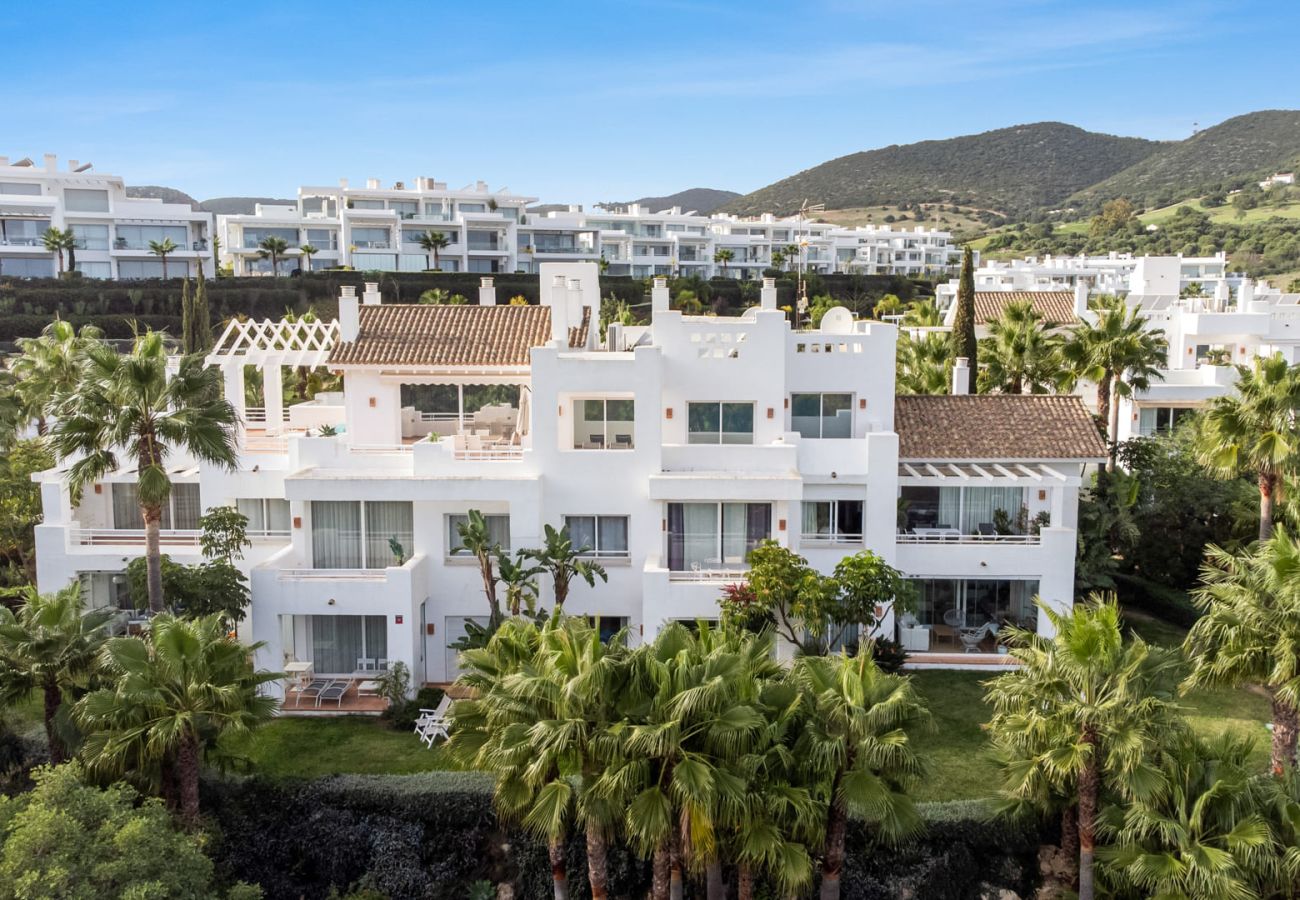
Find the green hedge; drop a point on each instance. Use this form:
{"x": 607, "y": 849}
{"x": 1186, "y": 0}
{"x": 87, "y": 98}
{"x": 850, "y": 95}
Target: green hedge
{"x": 433, "y": 834}
{"x": 1159, "y": 600}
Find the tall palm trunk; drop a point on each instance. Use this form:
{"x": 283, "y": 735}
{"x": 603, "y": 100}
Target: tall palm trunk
{"x": 1089, "y": 789}
{"x": 164, "y": 262}
{"x": 597, "y": 866}
{"x": 559, "y": 870}
{"x": 152, "y": 516}
{"x": 1286, "y": 719}
{"x": 715, "y": 887}
{"x": 53, "y": 700}
{"x": 436, "y": 263}
{"x": 745, "y": 883}
{"x": 674, "y": 866}
{"x": 1112, "y": 428}
{"x": 187, "y": 773}
{"x": 833, "y": 856}
{"x": 1103, "y": 401}
{"x": 1070, "y": 839}
{"x": 661, "y": 873}
{"x": 1267, "y": 488}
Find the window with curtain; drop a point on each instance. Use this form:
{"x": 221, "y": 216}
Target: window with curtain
{"x": 602, "y": 535}
{"x": 385, "y": 520}
{"x": 980, "y": 506}
{"x": 720, "y": 423}
{"x": 341, "y": 645}
{"x": 498, "y": 527}
{"x": 349, "y": 534}
{"x": 264, "y": 513}
{"x": 975, "y": 602}
{"x": 832, "y": 520}
{"x": 715, "y": 535}
{"x": 181, "y": 511}
{"x": 822, "y": 415}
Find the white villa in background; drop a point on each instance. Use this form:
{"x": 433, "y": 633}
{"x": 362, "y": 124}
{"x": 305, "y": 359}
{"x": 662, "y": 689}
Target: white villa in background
{"x": 669, "y": 449}
{"x": 1228, "y": 322}
{"x": 374, "y": 228}
{"x": 113, "y": 231}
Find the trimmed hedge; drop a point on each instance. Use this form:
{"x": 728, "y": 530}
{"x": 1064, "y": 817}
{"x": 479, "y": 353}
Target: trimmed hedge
{"x": 432, "y": 835}
{"x": 1159, "y": 600}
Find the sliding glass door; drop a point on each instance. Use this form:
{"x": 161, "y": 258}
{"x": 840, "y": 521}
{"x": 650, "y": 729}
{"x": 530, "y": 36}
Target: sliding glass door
{"x": 341, "y": 645}
{"x": 349, "y": 534}
{"x": 715, "y": 535}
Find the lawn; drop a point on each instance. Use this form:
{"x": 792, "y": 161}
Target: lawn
{"x": 311, "y": 748}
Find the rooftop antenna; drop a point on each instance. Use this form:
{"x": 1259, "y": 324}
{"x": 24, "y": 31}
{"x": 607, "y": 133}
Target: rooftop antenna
{"x": 801, "y": 304}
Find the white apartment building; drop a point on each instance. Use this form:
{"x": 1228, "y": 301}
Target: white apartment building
{"x": 670, "y": 450}
{"x": 491, "y": 232}
{"x": 113, "y": 231}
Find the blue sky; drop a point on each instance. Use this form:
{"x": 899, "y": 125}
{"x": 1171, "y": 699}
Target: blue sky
{"x": 589, "y": 101}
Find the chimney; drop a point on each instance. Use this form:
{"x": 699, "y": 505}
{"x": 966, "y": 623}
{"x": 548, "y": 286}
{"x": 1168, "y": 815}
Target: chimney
{"x": 577, "y": 304}
{"x": 343, "y": 183}
{"x": 371, "y": 296}
{"x": 614, "y": 337}
{"x": 961, "y": 376}
{"x": 1080, "y": 296}
{"x": 487, "y": 293}
{"x": 659, "y": 296}
{"x": 349, "y": 314}
{"x": 1245, "y": 294}
{"x": 372, "y": 184}
{"x": 1221, "y": 295}
{"x": 51, "y": 162}
{"x": 560, "y": 310}
{"x": 73, "y": 164}
{"x": 767, "y": 296}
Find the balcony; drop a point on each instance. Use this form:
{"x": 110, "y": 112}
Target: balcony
{"x": 170, "y": 538}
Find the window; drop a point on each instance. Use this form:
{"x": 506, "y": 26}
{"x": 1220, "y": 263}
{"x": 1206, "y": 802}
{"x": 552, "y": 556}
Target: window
{"x": 832, "y": 520}
{"x": 1159, "y": 419}
{"x": 265, "y": 514}
{"x": 341, "y": 645}
{"x": 472, "y": 207}
{"x": 603, "y": 424}
{"x": 81, "y": 200}
{"x": 90, "y": 237}
{"x": 349, "y": 534}
{"x": 14, "y": 187}
{"x": 405, "y": 209}
{"x": 715, "y": 535}
{"x": 137, "y": 237}
{"x": 373, "y": 238}
{"x": 26, "y": 268}
{"x": 974, "y": 510}
{"x": 720, "y": 423}
{"x": 365, "y": 204}
{"x": 822, "y": 415}
{"x": 150, "y": 268}
{"x": 323, "y": 238}
{"x": 970, "y": 604}
{"x": 498, "y": 527}
{"x": 253, "y": 237}
{"x": 602, "y": 535}
{"x": 95, "y": 269}
{"x": 607, "y": 626}
{"x": 181, "y": 511}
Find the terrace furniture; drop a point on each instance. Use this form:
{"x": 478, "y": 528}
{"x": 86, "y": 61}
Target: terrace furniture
{"x": 597, "y": 441}
{"x": 431, "y": 724}
{"x": 300, "y": 670}
{"x": 365, "y": 664}
{"x": 335, "y": 691}
{"x": 914, "y": 638}
{"x": 971, "y": 638}
{"x": 623, "y": 441}
{"x": 369, "y": 688}
{"x": 942, "y": 532}
{"x": 313, "y": 690}
{"x": 986, "y": 529}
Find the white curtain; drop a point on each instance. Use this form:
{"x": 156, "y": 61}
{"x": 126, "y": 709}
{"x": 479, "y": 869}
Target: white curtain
{"x": 816, "y": 518}
{"x": 982, "y": 502}
{"x": 949, "y": 507}
{"x": 613, "y": 534}
{"x": 277, "y": 515}
{"x": 498, "y": 527}
{"x": 341, "y": 645}
{"x": 384, "y": 520}
{"x": 582, "y": 531}
{"x": 253, "y": 509}
{"x": 336, "y": 534}
{"x": 700, "y": 536}
{"x": 186, "y": 506}
{"x": 126, "y": 506}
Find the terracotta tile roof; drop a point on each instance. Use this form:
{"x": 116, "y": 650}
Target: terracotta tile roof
{"x": 1051, "y": 306}
{"x": 444, "y": 335}
{"x": 976, "y": 427}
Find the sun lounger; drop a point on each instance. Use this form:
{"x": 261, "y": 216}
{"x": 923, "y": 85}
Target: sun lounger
{"x": 312, "y": 690}
{"x": 334, "y": 692}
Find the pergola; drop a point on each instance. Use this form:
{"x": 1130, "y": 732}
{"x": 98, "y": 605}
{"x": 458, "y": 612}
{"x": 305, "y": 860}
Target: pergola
{"x": 269, "y": 345}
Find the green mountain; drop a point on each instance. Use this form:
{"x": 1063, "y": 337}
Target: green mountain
{"x": 1230, "y": 155}
{"x": 232, "y": 206}
{"x": 1010, "y": 170}
{"x": 165, "y": 194}
{"x": 701, "y": 200}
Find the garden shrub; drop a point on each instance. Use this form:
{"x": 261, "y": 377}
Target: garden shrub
{"x": 402, "y": 716}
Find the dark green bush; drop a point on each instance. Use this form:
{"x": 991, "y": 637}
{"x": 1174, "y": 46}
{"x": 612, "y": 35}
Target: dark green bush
{"x": 403, "y": 717}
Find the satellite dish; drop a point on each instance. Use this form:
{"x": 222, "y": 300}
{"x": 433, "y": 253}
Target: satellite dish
{"x": 837, "y": 320}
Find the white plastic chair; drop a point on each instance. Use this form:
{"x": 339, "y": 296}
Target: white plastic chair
{"x": 431, "y": 724}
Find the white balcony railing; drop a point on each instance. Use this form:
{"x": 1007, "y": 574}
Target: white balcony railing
{"x": 726, "y": 576}
{"x": 168, "y": 537}
{"x": 937, "y": 537}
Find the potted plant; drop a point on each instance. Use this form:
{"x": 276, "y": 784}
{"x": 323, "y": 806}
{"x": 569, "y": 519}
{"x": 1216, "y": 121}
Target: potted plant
{"x": 399, "y": 552}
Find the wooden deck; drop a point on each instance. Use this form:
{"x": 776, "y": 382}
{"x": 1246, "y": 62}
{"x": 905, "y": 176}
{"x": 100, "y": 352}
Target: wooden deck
{"x": 352, "y": 704}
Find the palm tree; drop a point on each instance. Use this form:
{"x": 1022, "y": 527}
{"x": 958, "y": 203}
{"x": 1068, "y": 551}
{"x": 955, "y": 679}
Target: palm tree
{"x": 723, "y": 255}
{"x": 778, "y": 259}
{"x": 1118, "y": 354}
{"x": 308, "y": 251}
{"x": 558, "y": 558}
{"x": 922, "y": 314}
{"x": 162, "y": 249}
{"x": 1019, "y": 353}
{"x": 546, "y": 701}
{"x": 1207, "y": 835}
{"x": 517, "y": 577}
{"x": 432, "y": 242}
{"x": 477, "y": 539}
{"x": 172, "y": 694}
{"x": 922, "y": 363}
{"x": 1254, "y": 430}
{"x": 855, "y": 738}
{"x": 56, "y": 240}
{"x": 1250, "y": 627}
{"x": 1081, "y": 715}
{"x": 49, "y": 645}
{"x": 51, "y": 367}
{"x": 272, "y": 248}
{"x": 127, "y": 405}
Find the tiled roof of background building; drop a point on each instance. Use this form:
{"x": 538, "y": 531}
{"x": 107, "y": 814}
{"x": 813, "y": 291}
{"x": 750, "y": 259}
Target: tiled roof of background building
{"x": 1051, "y": 306}
{"x": 976, "y": 427}
{"x": 446, "y": 335}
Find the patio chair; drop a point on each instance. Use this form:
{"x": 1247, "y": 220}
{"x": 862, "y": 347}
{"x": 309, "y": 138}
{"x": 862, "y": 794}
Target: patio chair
{"x": 312, "y": 689}
{"x": 431, "y": 724}
{"x": 597, "y": 440}
{"x": 334, "y": 692}
{"x": 986, "y": 529}
{"x": 623, "y": 441}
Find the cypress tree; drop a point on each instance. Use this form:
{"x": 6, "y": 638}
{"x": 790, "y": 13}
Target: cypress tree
{"x": 963, "y": 326}
{"x": 187, "y": 319}
{"x": 201, "y": 314}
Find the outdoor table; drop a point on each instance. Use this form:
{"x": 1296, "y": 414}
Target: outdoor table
{"x": 301, "y": 671}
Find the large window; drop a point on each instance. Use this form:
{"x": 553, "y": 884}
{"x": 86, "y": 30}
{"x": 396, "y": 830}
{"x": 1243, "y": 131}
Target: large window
{"x": 264, "y": 514}
{"x": 822, "y": 415}
{"x": 181, "y": 511}
{"x": 603, "y": 424}
{"x": 150, "y": 268}
{"x": 371, "y": 238}
{"x": 137, "y": 237}
{"x": 253, "y": 237}
{"x": 498, "y": 527}
{"x": 23, "y": 232}
{"x": 82, "y": 200}
{"x": 1159, "y": 419}
{"x": 720, "y": 423}
{"x": 705, "y": 536}
{"x": 602, "y": 535}
{"x": 20, "y": 188}
{"x": 90, "y": 237}
{"x": 987, "y": 511}
{"x": 26, "y": 268}
{"x": 341, "y": 645}
{"x": 834, "y": 521}
{"x": 349, "y": 534}
{"x": 970, "y": 604}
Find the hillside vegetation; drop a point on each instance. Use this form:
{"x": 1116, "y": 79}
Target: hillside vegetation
{"x": 1011, "y": 170}
{"x": 701, "y": 200}
{"x": 1230, "y": 155}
